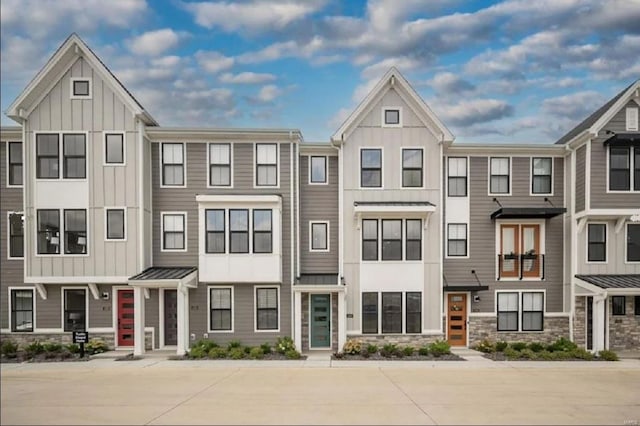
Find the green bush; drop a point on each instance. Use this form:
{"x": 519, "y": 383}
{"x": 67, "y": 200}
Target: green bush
{"x": 501, "y": 346}
{"x": 205, "y": 344}
{"x": 485, "y": 346}
{"x": 52, "y": 347}
{"x": 582, "y": 353}
{"x": 256, "y": 353}
{"x": 236, "y": 353}
{"x": 234, "y": 344}
{"x": 527, "y": 354}
{"x": 518, "y": 346}
{"x": 352, "y": 347}
{"x": 439, "y": 348}
{"x": 408, "y": 350}
{"x": 266, "y": 348}
{"x": 536, "y": 347}
{"x": 9, "y": 348}
{"x": 511, "y": 353}
{"x": 96, "y": 346}
{"x": 247, "y": 350}
{"x": 372, "y": 349}
{"x": 292, "y": 354}
{"x": 608, "y": 355}
{"x": 562, "y": 344}
{"x": 34, "y": 348}
{"x": 545, "y": 355}
{"x": 388, "y": 350}
{"x": 562, "y": 355}
{"x": 197, "y": 352}
{"x": 285, "y": 344}
{"x": 217, "y": 353}
{"x": 424, "y": 350}
{"x": 73, "y": 348}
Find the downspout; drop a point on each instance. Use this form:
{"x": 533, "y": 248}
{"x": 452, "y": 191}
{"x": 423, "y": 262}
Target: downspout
{"x": 25, "y": 185}
{"x": 441, "y": 238}
{"x": 140, "y": 263}
{"x": 291, "y": 228}
{"x": 573, "y": 262}
{"x": 298, "y": 269}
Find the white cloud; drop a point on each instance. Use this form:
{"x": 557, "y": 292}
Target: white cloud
{"x": 214, "y": 62}
{"x": 268, "y": 93}
{"x": 153, "y": 43}
{"x": 404, "y": 64}
{"x": 247, "y": 78}
{"x": 574, "y": 106}
{"x": 279, "y": 50}
{"x": 446, "y": 83}
{"x": 338, "y": 118}
{"x": 467, "y": 112}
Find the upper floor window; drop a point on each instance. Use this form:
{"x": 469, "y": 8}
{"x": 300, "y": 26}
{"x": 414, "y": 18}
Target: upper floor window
{"x": 75, "y": 231}
{"x": 173, "y": 231}
{"x": 48, "y": 231}
{"x": 392, "y": 117}
{"x": 220, "y": 164}
{"x": 457, "y": 176}
{"x": 597, "y": 242}
{"x": 632, "y": 119}
{"x": 414, "y": 239}
{"x": 541, "y": 169}
{"x": 620, "y": 168}
{"x": 215, "y": 231}
{"x": 393, "y": 239}
{"x": 114, "y": 148}
{"x": 116, "y": 229}
{"x": 520, "y": 251}
{"x": 173, "y": 170}
{"x": 633, "y": 242}
{"x": 242, "y": 235}
{"x": 319, "y": 240}
{"x": 371, "y": 168}
{"x": 47, "y": 156}
{"x": 14, "y": 164}
{"x": 74, "y": 156}
{"x": 369, "y": 239}
{"x": 22, "y": 309}
{"x": 457, "y": 239}
{"x": 262, "y": 231}
{"x": 318, "y": 169}
{"x": 239, "y": 231}
{"x": 16, "y": 235}
{"x": 80, "y": 88}
{"x": 412, "y": 168}
{"x": 266, "y": 164}
{"x": 500, "y": 175}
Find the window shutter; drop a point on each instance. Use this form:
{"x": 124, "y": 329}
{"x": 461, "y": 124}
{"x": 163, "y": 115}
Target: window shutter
{"x": 632, "y": 119}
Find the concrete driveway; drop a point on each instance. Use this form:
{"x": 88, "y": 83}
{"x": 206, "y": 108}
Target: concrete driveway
{"x": 212, "y": 392}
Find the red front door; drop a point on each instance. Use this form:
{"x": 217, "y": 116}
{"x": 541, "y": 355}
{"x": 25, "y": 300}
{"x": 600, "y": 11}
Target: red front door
{"x": 125, "y": 317}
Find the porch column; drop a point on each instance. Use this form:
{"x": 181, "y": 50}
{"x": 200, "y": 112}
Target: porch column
{"x": 138, "y": 321}
{"x": 297, "y": 319}
{"x": 342, "y": 321}
{"x": 183, "y": 320}
{"x": 599, "y": 323}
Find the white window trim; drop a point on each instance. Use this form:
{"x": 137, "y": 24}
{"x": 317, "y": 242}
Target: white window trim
{"x": 73, "y": 80}
{"x": 86, "y": 305}
{"x": 186, "y": 239}
{"x": 230, "y": 186}
{"x": 87, "y": 152}
{"x": 24, "y": 235}
{"x": 531, "y": 193}
{"x": 632, "y": 110}
{"x": 254, "y": 174}
{"x": 446, "y": 187}
{"x": 403, "y": 315}
{"x": 106, "y": 234}
{"x": 255, "y": 308}
{"x": 104, "y": 148}
{"x": 519, "y": 330}
{"x": 446, "y": 240}
{"x": 371, "y": 188}
{"x": 62, "y": 231}
{"x": 326, "y": 169}
{"x": 384, "y": 111}
{"x": 233, "y": 311}
{"x": 606, "y": 244}
{"x": 498, "y": 194}
{"x": 520, "y": 222}
{"x": 7, "y": 165}
{"x": 626, "y": 236}
{"x": 631, "y": 171}
{"x": 402, "y": 168}
{"x": 184, "y": 165}
{"x": 33, "y": 290}
{"x": 402, "y": 219}
{"x": 322, "y": 222}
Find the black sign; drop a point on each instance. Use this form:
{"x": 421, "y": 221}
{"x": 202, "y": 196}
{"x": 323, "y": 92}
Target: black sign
{"x": 80, "y": 337}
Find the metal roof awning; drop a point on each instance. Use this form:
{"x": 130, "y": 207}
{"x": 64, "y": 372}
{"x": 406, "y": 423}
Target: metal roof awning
{"x": 162, "y": 276}
{"x": 624, "y": 139}
{"x": 318, "y": 283}
{"x": 612, "y": 281}
{"x": 465, "y": 287}
{"x": 416, "y": 207}
{"x": 527, "y": 212}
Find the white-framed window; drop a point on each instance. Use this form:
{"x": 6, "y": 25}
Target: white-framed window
{"x": 369, "y": 239}
{"x": 262, "y": 231}
{"x": 74, "y": 239}
{"x": 392, "y": 312}
{"x": 391, "y": 239}
{"x": 266, "y": 164}
{"x": 14, "y": 164}
{"x": 15, "y": 235}
{"x": 48, "y": 231}
{"x": 541, "y": 175}
{"x": 267, "y": 308}
{"x": 174, "y": 231}
{"x": 47, "y": 156}
{"x": 318, "y": 169}
{"x": 370, "y": 167}
{"x": 596, "y": 242}
{"x": 633, "y": 242}
{"x": 457, "y": 176}
{"x": 521, "y": 249}
{"x": 319, "y": 236}
{"x": 238, "y": 231}
{"x": 74, "y": 156}
{"x": 74, "y": 309}
{"x": 172, "y": 158}
{"x": 412, "y": 167}
{"x": 220, "y": 168}
{"x": 500, "y": 175}
{"x": 457, "y": 240}
{"x": 115, "y": 224}
{"x": 114, "y": 149}
{"x": 81, "y": 88}
{"x": 75, "y": 231}
{"x": 392, "y": 117}
{"x": 413, "y": 240}
{"x": 520, "y": 310}
{"x": 221, "y": 309}
{"x": 22, "y": 311}
{"x": 245, "y": 231}
{"x": 70, "y": 155}
{"x": 215, "y": 224}
{"x": 624, "y": 168}
{"x": 632, "y": 119}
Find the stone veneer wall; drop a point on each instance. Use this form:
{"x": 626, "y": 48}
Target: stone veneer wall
{"x": 65, "y": 338}
{"x": 624, "y": 330}
{"x": 481, "y": 328}
{"x": 415, "y": 340}
{"x": 580, "y": 322}
{"x": 305, "y": 321}
{"x": 334, "y": 322}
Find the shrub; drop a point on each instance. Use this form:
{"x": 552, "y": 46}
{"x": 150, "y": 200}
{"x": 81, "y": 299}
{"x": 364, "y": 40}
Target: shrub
{"x": 352, "y": 347}
{"x": 96, "y": 346}
{"x": 236, "y": 353}
{"x": 292, "y": 354}
{"x": 511, "y": 353}
{"x": 518, "y": 346}
{"x": 234, "y": 344}
{"x": 205, "y": 344}
{"x": 34, "y": 348}
{"x": 527, "y": 354}
{"x": 256, "y": 353}
{"x": 266, "y": 348}
{"x": 561, "y": 344}
{"x": 562, "y": 355}
{"x": 582, "y": 353}
{"x": 217, "y": 353}
{"x": 485, "y": 346}
{"x": 501, "y": 346}
{"x": 439, "y": 348}
{"x": 247, "y": 350}
{"x": 52, "y": 347}
{"x": 285, "y": 344}
{"x": 408, "y": 350}
{"x": 424, "y": 350}
{"x": 197, "y": 352}
{"x": 608, "y": 355}
{"x": 372, "y": 349}
{"x": 9, "y": 348}
{"x": 388, "y": 350}
{"x": 545, "y": 355}
{"x": 536, "y": 347}
{"x": 73, "y": 348}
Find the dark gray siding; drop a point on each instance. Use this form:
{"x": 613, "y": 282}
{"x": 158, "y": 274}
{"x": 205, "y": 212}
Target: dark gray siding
{"x": 319, "y": 202}
{"x": 49, "y": 312}
{"x": 482, "y": 236}
{"x": 152, "y": 314}
{"x": 581, "y": 159}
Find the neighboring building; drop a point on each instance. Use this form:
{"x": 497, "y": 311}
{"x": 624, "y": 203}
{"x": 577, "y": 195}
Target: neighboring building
{"x": 153, "y": 237}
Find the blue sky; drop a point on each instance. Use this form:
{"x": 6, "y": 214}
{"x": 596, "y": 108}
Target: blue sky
{"x": 503, "y": 71}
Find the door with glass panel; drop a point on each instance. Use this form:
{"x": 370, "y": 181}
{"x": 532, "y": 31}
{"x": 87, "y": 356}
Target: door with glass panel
{"x": 170, "y": 317}
{"x": 510, "y": 260}
{"x": 530, "y": 250}
{"x": 320, "y": 323}
{"x": 457, "y": 319}
{"x": 520, "y": 255}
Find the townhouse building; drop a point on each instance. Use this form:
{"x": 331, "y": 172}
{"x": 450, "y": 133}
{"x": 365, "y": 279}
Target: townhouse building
{"x": 152, "y": 237}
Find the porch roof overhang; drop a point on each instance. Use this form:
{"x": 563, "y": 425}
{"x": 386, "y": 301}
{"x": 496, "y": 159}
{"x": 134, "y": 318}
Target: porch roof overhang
{"x": 527, "y": 212}
{"x": 623, "y": 139}
{"x": 166, "y": 277}
{"x": 412, "y": 208}
{"x": 465, "y": 287}
{"x": 318, "y": 283}
{"x": 610, "y": 284}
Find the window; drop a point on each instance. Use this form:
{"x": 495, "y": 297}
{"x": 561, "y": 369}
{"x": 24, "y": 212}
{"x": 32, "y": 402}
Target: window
{"x": 412, "y": 168}
{"x": 173, "y": 231}
{"x": 262, "y": 231}
{"x": 215, "y": 229}
{"x": 266, "y": 164}
{"x": 633, "y": 242}
{"x": 239, "y": 231}
{"x": 457, "y": 179}
{"x": 619, "y": 168}
{"x": 636, "y": 305}
{"x": 414, "y": 312}
{"x": 541, "y": 175}
{"x": 115, "y": 224}
{"x": 392, "y": 116}
{"x": 597, "y": 244}
{"x": 507, "y": 311}
{"x": 318, "y": 169}
{"x": 14, "y": 159}
{"x": 80, "y": 88}
{"x": 520, "y": 251}
{"x": 267, "y": 308}
{"x": 370, "y": 313}
{"x": 172, "y": 164}
{"x": 371, "y": 168}
{"x": 499, "y": 181}
{"x": 114, "y": 148}
{"x": 22, "y": 310}
{"x": 391, "y": 312}
{"x": 457, "y": 239}
{"x": 75, "y": 310}
{"x": 75, "y": 156}
{"x": 319, "y": 236}
{"x": 636, "y": 169}
{"x": 221, "y": 311}
{"x": 48, "y": 231}
{"x": 220, "y": 164}
{"x": 75, "y": 231}
{"x": 414, "y": 239}
{"x": 47, "y": 156}
{"x": 532, "y": 311}
{"x": 632, "y": 119}
{"x": 369, "y": 239}
{"x": 16, "y": 235}
{"x": 617, "y": 305}
{"x": 391, "y": 239}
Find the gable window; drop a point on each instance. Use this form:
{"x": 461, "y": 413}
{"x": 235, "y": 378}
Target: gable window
{"x": 507, "y": 311}
{"x": 114, "y": 148}
{"x": 215, "y": 229}
{"x": 457, "y": 176}
{"x": 500, "y": 176}
{"x": 239, "y": 231}
{"x": 597, "y": 243}
{"x": 220, "y": 164}
{"x": 80, "y": 88}
{"x": 619, "y": 168}
{"x": 541, "y": 175}
{"x": 369, "y": 239}
{"x": 75, "y": 231}
{"x": 262, "y": 231}
{"x": 16, "y": 235}
{"x": 14, "y": 159}
{"x": 47, "y": 156}
{"x": 267, "y": 308}
{"x": 412, "y": 168}
{"x": 319, "y": 236}
{"x": 48, "y": 231}
{"x": 532, "y": 311}
{"x": 172, "y": 164}
{"x": 22, "y": 310}
{"x": 618, "y": 305}
{"x": 318, "y": 169}
{"x": 75, "y": 310}
{"x": 414, "y": 239}
{"x": 173, "y": 231}
{"x": 633, "y": 242}
{"x": 391, "y": 116}
{"x": 221, "y": 309}
{"x": 369, "y": 313}
{"x": 371, "y": 168}
{"x": 391, "y": 239}
{"x": 457, "y": 239}
{"x": 115, "y": 224}
{"x": 74, "y": 156}
{"x": 632, "y": 119}
{"x": 413, "y": 322}
{"x": 266, "y": 164}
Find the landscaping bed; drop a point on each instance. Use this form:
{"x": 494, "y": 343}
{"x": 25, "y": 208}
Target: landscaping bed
{"x": 284, "y": 349}
{"x": 36, "y": 351}
{"x": 560, "y": 350}
{"x": 354, "y": 350}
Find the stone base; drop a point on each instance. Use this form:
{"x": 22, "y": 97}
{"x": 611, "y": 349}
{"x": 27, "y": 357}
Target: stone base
{"x": 624, "y": 330}
{"x": 415, "y": 340}
{"x": 481, "y": 328}
{"x": 23, "y": 339}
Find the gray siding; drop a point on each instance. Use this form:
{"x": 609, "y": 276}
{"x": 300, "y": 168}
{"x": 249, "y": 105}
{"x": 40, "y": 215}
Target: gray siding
{"x": 319, "y": 202}
{"x": 581, "y": 160}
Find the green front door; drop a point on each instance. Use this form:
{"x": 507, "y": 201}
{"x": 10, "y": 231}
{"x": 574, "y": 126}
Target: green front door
{"x": 320, "y": 321}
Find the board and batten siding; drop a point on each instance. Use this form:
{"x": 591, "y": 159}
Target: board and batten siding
{"x": 581, "y": 161}
{"x": 616, "y": 252}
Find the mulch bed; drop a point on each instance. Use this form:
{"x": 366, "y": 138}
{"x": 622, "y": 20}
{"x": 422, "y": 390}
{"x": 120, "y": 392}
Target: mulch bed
{"x": 267, "y": 357}
{"x": 499, "y": 356}
{"x": 415, "y": 357}
{"x": 61, "y": 357}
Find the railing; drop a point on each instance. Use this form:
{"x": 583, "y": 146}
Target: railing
{"x": 519, "y": 266}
